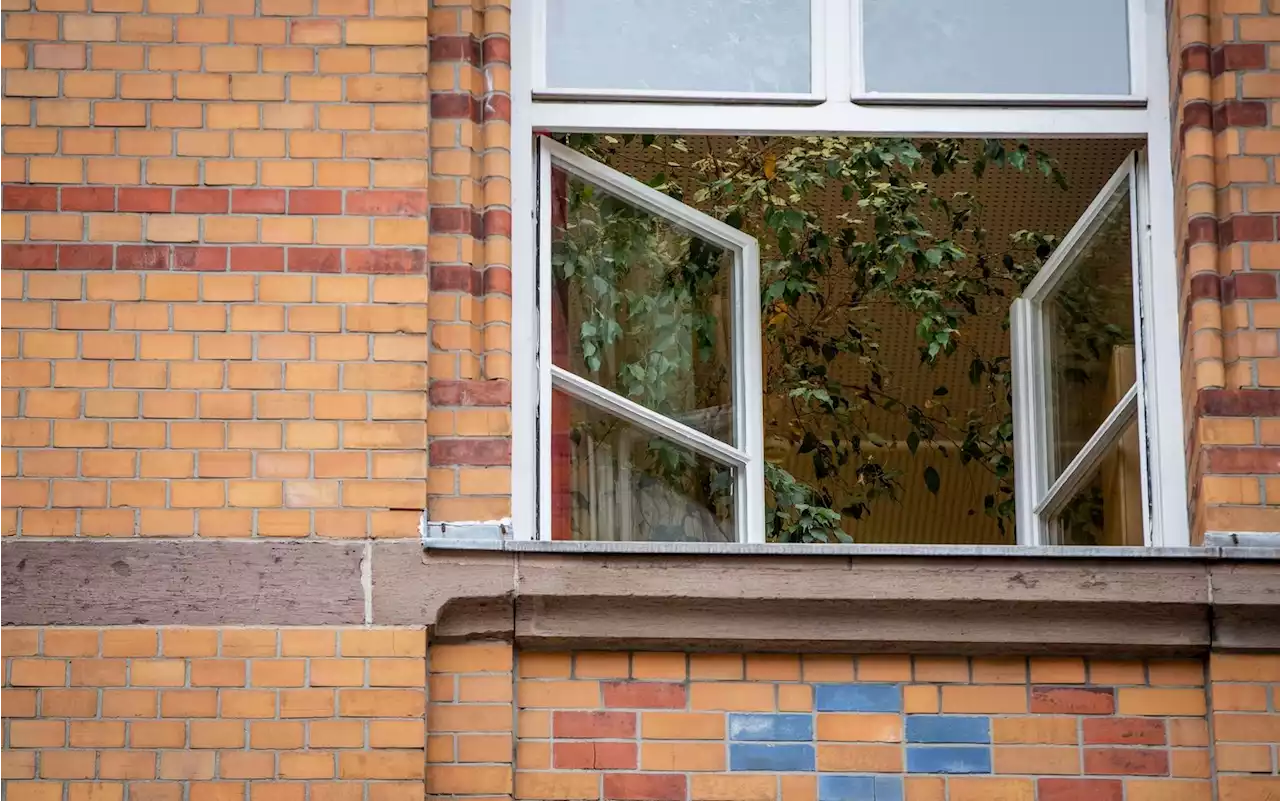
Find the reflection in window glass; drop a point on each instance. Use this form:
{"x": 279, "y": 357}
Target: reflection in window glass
{"x": 759, "y": 46}
{"x": 612, "y": 480}
{"x": 1043, "y": 47}
{"x": 1090, "y": 334}
{"x": 1108, "y": 510}
{"x": 641, "y": 307}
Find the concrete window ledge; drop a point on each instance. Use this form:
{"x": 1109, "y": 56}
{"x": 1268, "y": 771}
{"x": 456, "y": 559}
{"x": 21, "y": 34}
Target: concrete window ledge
{"x": 855, "y": 598}
{"x": 848, "y": 597}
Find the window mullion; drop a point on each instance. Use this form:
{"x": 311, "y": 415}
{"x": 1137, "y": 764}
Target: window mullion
{"x": 657, "y": 424}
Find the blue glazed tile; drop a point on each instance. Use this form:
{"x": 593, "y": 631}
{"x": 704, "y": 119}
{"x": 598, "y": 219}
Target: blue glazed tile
{"x": 859, "y": 788}
{"x": 948, "y": 729}
{"x": 760, "y": 756}
{"x": 771, "y": 728}
{"x": 846, "y": 788}
{"x": 857, "y": 697}
{"x": 889, "y": 788}
{"x": 948, "y": 759}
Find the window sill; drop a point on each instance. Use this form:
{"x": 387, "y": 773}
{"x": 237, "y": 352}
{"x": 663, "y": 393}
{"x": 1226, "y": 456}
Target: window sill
{"x": 1213, "y": 551}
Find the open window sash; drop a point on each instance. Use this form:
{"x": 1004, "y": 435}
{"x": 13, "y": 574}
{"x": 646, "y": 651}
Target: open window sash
{"x": 1065, "y": 428}
{"x": 736, "y": 444}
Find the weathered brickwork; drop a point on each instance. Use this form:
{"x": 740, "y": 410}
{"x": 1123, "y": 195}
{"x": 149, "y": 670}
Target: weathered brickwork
{"x": 777, "y": 726}
{"x": 1226, "y": 81}
{"x": 218, "y": 318}
{"x": 1246, "y": 725}
{"x": 470, "y": 248}
{"x": 213, "y": 714}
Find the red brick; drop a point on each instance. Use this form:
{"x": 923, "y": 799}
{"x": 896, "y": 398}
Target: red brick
{"x": 314, "y": 260}
{"x": 254, "y": 258}
{"x": 257, "y": 201}
{"x": 481, "y": 452}
{"x": 386, "y": 203}
{"x": 29, "y": 257}
{"x": 144, "y": 199}
{"x": 1124, "y": 731}
{"x": 595, "y": 756}
{"x": 1246, "y": 461}
{"x": 315, "y": 201}
{"x": 31, "y": 198}
{"x": 497, "y": 222}
{"x": 644, "y": 694}
{"x": 582, "y": 725}
{"x": 86, "y": 257}
{"x": 1080, "y": 790}
{"x": 645, "y": 786}
{"x": 88, "y": 198}
{"x": 201, "y": 201}
{"x": 142, "y": 257}
{"x": 200, "y": 258}
{"x": 386, "y": 261}
{"x": 1072, "y": 700}
{"x": 1126, "y": 761}
{"x": 470, "y": 393}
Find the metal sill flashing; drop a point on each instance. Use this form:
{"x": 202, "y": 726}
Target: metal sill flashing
{"x": 1265, "y": 549}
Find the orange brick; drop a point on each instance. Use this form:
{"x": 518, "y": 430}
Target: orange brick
{"x": 1057, "y": 670}
{"x": 682, "y": 726}
{"x": 1140, "y": 701}
{"x": 476, "y": 658}
{"x": 535, "y": 664}
{"x": 1038, "y": 729}
{"x": 860, "y": 758}
{"x": 723, "y": 787}
{"x": 966, "y": 788}
{"x": 984, "y": 699}
{"x": 682, "y": 757}
{"x": 859, "y": 728}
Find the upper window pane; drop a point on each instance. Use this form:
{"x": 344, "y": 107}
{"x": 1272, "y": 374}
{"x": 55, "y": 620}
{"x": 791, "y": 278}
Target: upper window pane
{"x": 1004, "y": 47}
{"x": 753, "y": 46}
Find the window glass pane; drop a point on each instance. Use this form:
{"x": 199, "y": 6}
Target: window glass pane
{"x": 1090, "y": 335}
{"x": 1108, "y": 510}
{"x": 641, "y": 307}
{"x": 996, "y": 46}
{"x": 612, "y": 480}
{"x": 691, "y": 45}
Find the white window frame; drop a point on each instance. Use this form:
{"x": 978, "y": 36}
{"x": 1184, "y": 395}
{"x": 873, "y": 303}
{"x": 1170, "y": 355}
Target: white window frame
{"x": 1160, "y": 412}
{"x": 817, "y": 72}
{"x": 1041, "y": 496}
{"x": 747, "y": 458}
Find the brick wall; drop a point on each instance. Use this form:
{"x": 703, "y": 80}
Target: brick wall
{"x": 763, "y": 726}
{"x": 217, "y": 313}
{"x": 211, "y": 715}
{"x": 1246, "y": 725}
{"x": 1225, "y": 69}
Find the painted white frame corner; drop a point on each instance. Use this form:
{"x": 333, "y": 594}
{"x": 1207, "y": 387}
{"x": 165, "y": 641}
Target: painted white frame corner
{"x": 747, "y": 458}
{"x": 818, "y": 68}
{"x": 1040, "y": 495}
{"x": 1138, "y": 76}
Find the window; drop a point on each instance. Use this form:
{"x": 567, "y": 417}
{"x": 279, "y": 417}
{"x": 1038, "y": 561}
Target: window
{"x": 1077, "y": 387}
{"x": 652, "y": 429}
{"x": 1093, "y": 338}
{"x": 757, "y": 50}
{"x": 1005, "y": 49}
{"x": 788, "y": 51}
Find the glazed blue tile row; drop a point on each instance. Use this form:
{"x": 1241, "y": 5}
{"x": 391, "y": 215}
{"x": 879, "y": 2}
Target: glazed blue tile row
{"x": 948, "y": 729}
{"x": 859, "y": 788}
{"x": 772, "y": 757}
{"x": 771, "y": 728}
{"x": 857, "y": 697}
{"x": 948, "y": 759}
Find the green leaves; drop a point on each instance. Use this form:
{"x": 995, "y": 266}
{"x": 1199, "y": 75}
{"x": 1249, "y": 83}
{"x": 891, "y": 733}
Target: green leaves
{"x": 894, "y": 249}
